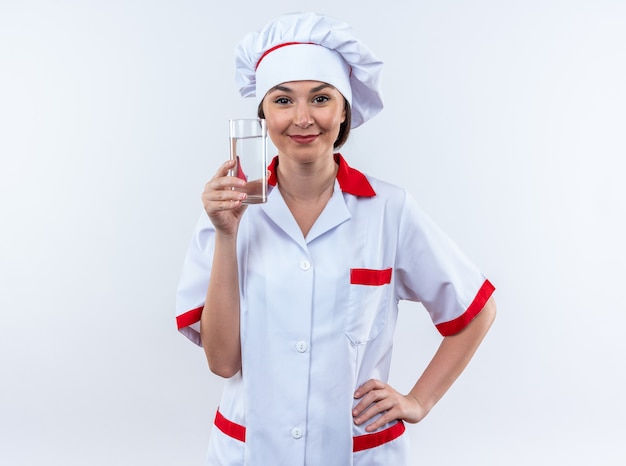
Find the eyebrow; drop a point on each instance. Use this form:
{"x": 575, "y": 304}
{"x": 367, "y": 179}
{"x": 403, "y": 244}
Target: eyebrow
{"x": 282, "y": 88}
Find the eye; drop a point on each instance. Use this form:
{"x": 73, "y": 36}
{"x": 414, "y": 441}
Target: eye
{"x": 321, "y": 99}
{"x": 281, "y": 100}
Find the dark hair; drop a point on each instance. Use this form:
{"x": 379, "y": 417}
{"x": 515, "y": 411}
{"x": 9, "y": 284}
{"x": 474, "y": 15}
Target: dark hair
{"x": 344, "y": 128}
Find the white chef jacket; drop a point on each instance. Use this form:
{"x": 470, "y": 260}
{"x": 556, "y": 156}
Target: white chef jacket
{"x": 318, "y": 316}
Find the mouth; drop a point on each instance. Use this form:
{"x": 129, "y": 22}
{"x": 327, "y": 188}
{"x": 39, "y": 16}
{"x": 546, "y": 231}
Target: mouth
{"x": 303, "y": 139}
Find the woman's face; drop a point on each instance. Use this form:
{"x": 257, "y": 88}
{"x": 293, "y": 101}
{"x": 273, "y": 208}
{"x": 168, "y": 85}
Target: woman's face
{"x": 303, "y": 118}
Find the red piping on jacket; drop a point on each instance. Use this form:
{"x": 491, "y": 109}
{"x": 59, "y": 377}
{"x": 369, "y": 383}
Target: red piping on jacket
{"x": 359, "y": 443}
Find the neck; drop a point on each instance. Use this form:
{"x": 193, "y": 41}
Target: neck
{"x": 306, "y": 188}
{"x": 309, "y": 181}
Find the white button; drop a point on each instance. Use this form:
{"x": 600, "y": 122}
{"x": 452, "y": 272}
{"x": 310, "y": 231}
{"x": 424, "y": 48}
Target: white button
{"x": 301, "y": 346}
{"x": 296, "y": 432}
{"x": 305, "y": 265}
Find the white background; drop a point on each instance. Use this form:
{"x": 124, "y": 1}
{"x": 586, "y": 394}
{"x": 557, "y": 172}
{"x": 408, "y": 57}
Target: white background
{"x": 506, "y": 119}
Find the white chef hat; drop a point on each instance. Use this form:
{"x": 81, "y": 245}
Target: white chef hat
{"x": 309, "y": 46}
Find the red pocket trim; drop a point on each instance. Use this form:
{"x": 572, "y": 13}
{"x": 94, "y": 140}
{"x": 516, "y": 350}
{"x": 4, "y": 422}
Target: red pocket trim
{"x": 233, "y": 430}
{"x": 367, "y": 441}
{"x": 359, "y": 443}
{"x": 370, "y": 277}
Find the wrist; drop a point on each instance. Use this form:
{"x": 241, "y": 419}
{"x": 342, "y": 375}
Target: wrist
{"x": 422, "y": 402}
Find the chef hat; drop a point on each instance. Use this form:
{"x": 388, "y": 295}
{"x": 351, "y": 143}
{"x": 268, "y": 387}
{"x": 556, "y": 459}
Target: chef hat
{"x": 308, "y": 46}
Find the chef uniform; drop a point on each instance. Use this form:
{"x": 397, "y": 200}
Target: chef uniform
{"x": 318, "y": 313}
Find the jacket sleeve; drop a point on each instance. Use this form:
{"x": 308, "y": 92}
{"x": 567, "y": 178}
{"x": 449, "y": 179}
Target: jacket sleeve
{"x": 194, "y": 280}
{"x": 431, "y": 269}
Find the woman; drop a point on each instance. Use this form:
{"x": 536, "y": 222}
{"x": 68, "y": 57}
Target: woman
{"x": 295, "y": 301}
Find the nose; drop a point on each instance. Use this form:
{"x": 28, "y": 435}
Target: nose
{"x": 302, "y": 116}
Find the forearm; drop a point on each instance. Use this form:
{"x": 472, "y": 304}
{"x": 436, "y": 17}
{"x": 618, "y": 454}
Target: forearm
{"x": 219, "y": 326}
{"x": 453, "y": 355}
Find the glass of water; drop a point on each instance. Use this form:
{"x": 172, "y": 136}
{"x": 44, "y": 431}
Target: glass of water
{"x": 248, "y": 146}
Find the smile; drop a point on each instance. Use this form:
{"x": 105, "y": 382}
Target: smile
{"x": 303, "y": 139}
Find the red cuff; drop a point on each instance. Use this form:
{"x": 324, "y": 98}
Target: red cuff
{"x": 189, "y": 318}
{"x": 455, "y": 326}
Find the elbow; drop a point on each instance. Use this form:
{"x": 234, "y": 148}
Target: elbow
{"x": 223, "y": 367}
{"x": 224, "y": 371}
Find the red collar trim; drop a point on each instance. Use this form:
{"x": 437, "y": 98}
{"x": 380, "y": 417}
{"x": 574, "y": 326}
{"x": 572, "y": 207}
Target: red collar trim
{"x": 351, "y": 181}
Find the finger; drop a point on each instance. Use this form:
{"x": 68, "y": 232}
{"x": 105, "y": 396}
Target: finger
{"x": 222, "y": 177}
{"x": 224, "y": 168}
{"x": 229, "y": 204}
{"x": 371, "y": 384}
{"x": 369, "y": 400}
{"x": 379, "y": 406}
{"x": 221, "y": 191}
{"x": 224, "y": 186}
{"x": 383, "y": 420}
{"x": 214, "y": 203}
{"x": 223, "y": 183}
{"x": 220, "y": 200}
{"x": 365, "y": 402}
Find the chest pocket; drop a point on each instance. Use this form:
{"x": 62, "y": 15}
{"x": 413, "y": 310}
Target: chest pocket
{"x": 367, "y": 308}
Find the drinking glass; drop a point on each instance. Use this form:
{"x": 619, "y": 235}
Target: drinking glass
{"x": 248, "y": 146}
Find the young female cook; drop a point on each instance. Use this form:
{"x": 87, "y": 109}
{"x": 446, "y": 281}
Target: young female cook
{"x": 295, "y": 301}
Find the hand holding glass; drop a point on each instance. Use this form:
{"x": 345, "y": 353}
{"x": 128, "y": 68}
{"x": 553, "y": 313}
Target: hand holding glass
{"x": 248, "y": 147}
